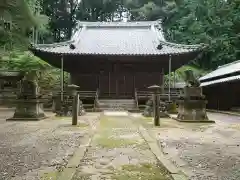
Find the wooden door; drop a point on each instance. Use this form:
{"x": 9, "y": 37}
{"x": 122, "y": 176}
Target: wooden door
{"x": 128, "y": 85}
{"x": 145, "y": 79}
{"x": 121, "y": 85}
{"x": 113, "y": 85}
{"x": 104, "y": 84}
{"x": 116, "y": 83}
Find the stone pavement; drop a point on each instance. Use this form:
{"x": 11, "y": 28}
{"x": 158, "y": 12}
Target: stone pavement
{"x": 118, "y": 152}
{"x": 227, "y": 118}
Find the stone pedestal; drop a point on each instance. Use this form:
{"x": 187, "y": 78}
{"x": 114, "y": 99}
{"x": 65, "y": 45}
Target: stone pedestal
{"x": 28, "y": 110}
{"x": 192, "y": 105}
{"x": 29, "y": 105}
{"x": 194, "y": 110}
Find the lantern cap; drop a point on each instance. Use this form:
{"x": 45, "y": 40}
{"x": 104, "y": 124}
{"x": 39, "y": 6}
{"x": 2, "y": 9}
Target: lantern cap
{"x": 73, "y": 86}
{"x": 154, "y": 87}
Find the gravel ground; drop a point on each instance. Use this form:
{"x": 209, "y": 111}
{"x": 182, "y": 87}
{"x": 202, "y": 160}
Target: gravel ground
{"x": 29, "y": 148}
{"x": 203, "y": 151}
{"x": 224, "y": 117}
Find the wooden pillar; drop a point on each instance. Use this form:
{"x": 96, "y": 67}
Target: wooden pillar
{"x": 109, "y": 83}
{"x": 174, "y": 79}
{"x": 163, "y": 79}
{"x": 62, "y": 78}
{"x": 169, "y": 78}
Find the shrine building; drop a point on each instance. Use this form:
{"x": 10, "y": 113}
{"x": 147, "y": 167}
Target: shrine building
{"x": 117, "y": 58}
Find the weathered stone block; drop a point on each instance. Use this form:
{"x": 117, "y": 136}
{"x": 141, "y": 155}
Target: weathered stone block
{"x": 194, "y": 110}
{"x": 192, "y": 105}
{"x": 28, "y": 110}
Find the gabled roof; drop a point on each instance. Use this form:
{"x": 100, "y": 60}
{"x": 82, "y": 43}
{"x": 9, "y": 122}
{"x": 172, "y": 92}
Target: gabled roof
{"x": 221, "y": 80}
{"x": 118, "y": 38}
{"x": 221, "y": 71}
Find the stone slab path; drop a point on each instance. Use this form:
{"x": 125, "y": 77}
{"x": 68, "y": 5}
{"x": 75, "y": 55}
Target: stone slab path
{"x": 118, "y": 152}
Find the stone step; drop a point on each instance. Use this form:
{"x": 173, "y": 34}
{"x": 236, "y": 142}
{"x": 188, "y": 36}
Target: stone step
{"x": 117, "y": 101}
{"x": 122, "y": 104}
{"x": 116, "y": 104}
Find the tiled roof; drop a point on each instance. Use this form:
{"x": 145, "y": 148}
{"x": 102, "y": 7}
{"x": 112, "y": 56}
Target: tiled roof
{"x": 223, "y": 70}
{"x": 222, "y": 80}
{"x": 118, "y": 38}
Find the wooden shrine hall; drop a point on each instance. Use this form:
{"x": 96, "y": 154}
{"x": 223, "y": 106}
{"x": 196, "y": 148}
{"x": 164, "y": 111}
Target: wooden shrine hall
{"x": 117, "y": 57}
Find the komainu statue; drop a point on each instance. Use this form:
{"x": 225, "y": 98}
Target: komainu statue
{"x": 149, "y": 111}
{"x": 190, "y": 79}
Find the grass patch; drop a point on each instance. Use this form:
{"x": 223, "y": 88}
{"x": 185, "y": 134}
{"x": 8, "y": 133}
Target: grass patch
{"x": 82, "y": 177}
{"x": 60, "y": 118}
{"x": 82, "y": 125}
{"x": 111, "y": 143}
{"x": 107, "y": 123}
{"x": 148, "y": 119}
{"x": 235, "y": 126}
{"x": 53, "y": 175}
{"x": 142, "y": 146}
{"x": 111, "y": 122}
{"x": 142, "y": 171}
{"x": 105, "y": 140}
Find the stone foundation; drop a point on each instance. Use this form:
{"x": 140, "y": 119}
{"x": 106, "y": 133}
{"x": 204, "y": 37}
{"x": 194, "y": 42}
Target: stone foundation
{"x": 192, "y": 105}
{"x": 28, "y": 110}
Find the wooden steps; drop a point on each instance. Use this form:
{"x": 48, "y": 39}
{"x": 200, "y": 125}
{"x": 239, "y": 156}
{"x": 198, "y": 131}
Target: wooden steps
{"x": 116, "y": 104}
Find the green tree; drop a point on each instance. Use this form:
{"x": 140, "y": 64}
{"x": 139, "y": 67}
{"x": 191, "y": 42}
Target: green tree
{"x": 17, "y": 17}
{"x": 62, "y": 16}
{"x": 213, "y": 22}
{"x": 99, "y": 10}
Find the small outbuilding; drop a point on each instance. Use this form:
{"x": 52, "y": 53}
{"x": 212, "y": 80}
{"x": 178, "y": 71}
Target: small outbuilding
{"x": 222, "y": 86}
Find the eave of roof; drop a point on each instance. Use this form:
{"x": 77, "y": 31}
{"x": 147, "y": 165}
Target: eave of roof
{"x": 222, "y": 71}
{"x": 220, "y": 81}
{"x": 98, "y": 38}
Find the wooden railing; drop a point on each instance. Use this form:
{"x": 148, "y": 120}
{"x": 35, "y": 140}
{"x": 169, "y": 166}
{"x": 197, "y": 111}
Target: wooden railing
{"x": 45, "y": 94}
{"x": 174, "y": 94}
{"x": 83, "y": 94}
